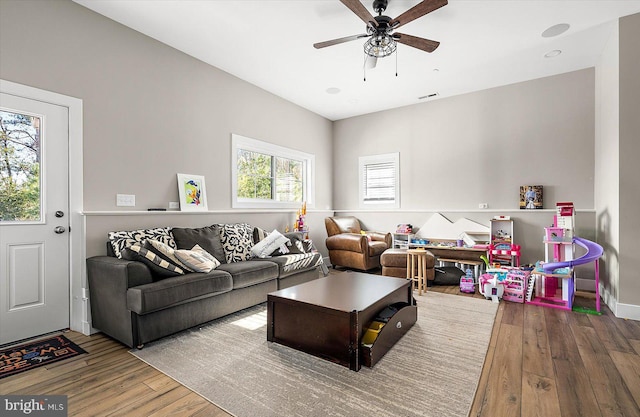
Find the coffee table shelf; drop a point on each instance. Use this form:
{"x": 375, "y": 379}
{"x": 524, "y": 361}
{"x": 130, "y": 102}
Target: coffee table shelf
{"x": 393, "y": 330}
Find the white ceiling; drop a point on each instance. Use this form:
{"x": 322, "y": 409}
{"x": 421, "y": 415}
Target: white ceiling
{"x": 268, "y": 43}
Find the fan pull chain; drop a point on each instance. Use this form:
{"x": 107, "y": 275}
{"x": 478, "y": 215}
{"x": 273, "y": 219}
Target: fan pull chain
{"x": 364, "y": 67}
{"x": 396, "y": 62}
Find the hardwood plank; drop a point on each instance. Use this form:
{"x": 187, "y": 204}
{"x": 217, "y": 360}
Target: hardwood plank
{"x": 149, "y": 406}
{"x": 630, "y": 329}
{"x": 613, "y": 397}
{"x": 636, "y": 345}
{"x": 539, "y": 396}
{"x": 628, "y": 364}
{"x": 481, "y": 389}
{"x": 608, "y": 332}
{"x": 557, "y": 323}
{"x": 574, "y": 389}
{"x": 536, "y": 353}
{"x": 513, "y": 313}
{"x": 185, "y": 406}
{"x": 120, "y": 393}
{"x": 504, "y": 385}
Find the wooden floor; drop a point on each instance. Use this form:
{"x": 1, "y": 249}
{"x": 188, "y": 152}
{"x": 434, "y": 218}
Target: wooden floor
{"x": 541, "y": 362}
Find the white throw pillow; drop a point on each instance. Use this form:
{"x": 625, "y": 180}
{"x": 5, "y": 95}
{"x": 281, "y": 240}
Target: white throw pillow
{"x": 269, "y": 244}
{"x": 197, "y": 259}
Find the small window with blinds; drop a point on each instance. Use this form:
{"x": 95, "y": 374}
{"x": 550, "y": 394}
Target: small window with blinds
{"x": 380, "y": 180}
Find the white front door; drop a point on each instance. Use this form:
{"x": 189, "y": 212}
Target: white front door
{"x": 34, "y": 218}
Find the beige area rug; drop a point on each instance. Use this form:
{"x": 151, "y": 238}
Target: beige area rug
{"x": 432, "y": 371}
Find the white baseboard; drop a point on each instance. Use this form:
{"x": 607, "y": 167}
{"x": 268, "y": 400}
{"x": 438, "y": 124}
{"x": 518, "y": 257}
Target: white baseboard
{"x": 620, "y": 310}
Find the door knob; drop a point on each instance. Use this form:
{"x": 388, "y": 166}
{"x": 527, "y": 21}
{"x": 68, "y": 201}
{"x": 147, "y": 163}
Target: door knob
{"x": 59, "y": 229}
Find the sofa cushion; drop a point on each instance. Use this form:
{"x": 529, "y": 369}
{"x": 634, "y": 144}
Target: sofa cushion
{"x": 293, "y": 263}
{"x": 121, "y": 240}
{"x": 146, "y": 298}
{"x": 237, "y": 240}
{"x": 272, "y": 242}
{"x": 197, "y": 259}
{"x": 208, "y": 238}
{"x": 159, "y": 267}
{"x": 249, "y": 273}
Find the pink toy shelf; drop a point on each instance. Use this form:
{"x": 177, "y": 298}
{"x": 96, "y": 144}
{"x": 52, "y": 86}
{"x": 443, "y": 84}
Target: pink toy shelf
{"x": 505, "y": 251}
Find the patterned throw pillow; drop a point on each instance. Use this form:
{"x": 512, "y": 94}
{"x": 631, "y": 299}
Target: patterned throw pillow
{"x": 237, "y": 241}
{"x": 197, "y": 259}
{"x": 167, "y": 252}
{"x": 121, "y": 240}
{"x": 158, "y": 266}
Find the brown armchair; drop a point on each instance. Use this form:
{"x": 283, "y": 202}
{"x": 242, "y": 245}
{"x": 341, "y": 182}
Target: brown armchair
{"x": 350, "y": 248}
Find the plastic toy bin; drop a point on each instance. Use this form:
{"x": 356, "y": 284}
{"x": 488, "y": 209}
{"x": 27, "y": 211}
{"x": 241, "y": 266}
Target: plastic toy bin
{"x": 371, "y": 334}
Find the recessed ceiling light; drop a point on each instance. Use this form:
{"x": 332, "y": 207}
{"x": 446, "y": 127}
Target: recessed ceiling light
{"x": 555, "y": 30}
{"x": 553, "y": 53}
{"x": 332, "y": 90}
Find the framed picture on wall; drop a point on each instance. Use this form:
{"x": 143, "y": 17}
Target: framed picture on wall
{"x": 531, "y": 197}
{"x": 192, "y": 192}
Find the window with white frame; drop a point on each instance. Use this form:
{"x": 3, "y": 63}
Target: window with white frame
{"x": 269, "y": 176}
{"x": 379, "y": 180}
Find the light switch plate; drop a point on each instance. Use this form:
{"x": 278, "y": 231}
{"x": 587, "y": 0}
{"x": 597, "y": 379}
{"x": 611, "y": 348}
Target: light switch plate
{"x": 125, "y": 200}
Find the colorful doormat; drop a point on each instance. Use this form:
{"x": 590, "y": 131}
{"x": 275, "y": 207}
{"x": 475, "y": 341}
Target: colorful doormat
{"x": 20, "y": 358}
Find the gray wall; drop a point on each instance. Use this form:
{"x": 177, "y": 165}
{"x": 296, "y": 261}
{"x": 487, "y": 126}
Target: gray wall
{"x": 607, "y": 150}
{"x": 479, "y": 148}
{"x": 150, "y": 112}
{"x": 629, "y": 155}
{"x": 617, "y": 182}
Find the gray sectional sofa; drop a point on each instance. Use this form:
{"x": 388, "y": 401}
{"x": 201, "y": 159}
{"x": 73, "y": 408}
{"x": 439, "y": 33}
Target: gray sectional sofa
{"x": 133, "y": 303}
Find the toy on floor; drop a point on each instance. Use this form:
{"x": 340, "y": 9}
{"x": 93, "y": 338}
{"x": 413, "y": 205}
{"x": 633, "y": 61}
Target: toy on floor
{"x": 553, "y": 281}
{"x": 468, "y": 283}
{"x": 517, "y": 279}
{"x": 492, "y": 283}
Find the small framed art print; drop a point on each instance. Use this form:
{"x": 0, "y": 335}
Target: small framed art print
{"x": 531, "y": 197}
{"x": 192, "y": 192}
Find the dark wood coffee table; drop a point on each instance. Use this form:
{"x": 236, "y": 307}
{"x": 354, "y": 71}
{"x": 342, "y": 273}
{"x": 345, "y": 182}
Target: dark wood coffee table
{"x": 327, "y": 317}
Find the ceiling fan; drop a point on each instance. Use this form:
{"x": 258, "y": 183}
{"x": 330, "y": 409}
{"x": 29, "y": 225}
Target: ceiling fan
{"x": 380, "y": 29}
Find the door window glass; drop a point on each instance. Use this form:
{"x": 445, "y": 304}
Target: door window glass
{"x": 20, "y": 181}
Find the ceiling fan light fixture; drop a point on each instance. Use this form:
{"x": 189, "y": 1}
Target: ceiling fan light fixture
{"x": 379, "y": 46}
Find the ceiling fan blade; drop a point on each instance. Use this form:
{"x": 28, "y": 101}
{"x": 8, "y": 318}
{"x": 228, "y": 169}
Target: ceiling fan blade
{"x": 426, "y": 45}
{"x": 339, "y": 40}
{"x": 419, "y": 10}
{"x": 361, "y": 11}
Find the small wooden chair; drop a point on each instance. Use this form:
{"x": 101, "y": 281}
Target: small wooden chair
{"x": 417, "y": 269}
